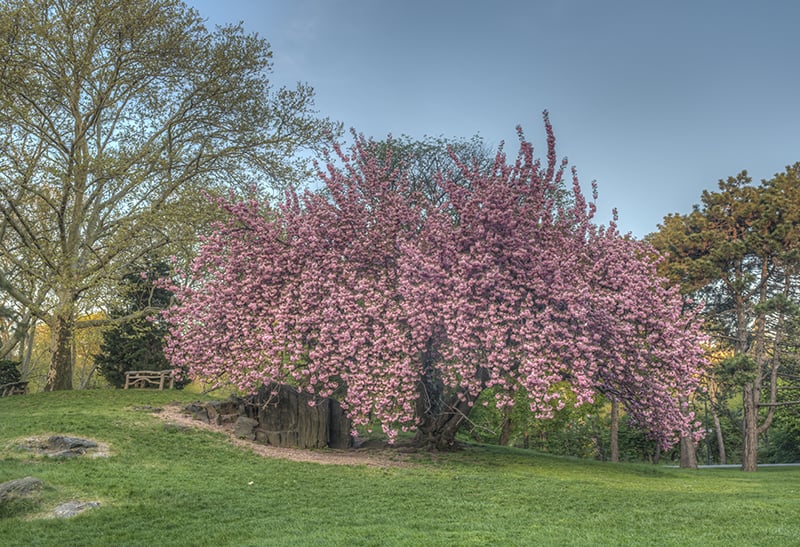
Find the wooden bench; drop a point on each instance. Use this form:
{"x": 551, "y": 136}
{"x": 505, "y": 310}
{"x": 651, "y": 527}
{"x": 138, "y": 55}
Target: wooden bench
{"x": 145, "y": 378}
{"x": 13, "y": 388}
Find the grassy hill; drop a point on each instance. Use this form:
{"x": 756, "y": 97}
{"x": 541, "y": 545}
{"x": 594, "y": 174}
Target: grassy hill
{"x": 169, "y": 485}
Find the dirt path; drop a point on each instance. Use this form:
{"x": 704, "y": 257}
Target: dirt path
{"x": 373, "y": 454}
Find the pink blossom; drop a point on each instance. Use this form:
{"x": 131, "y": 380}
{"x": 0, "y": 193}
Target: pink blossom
{"x": 357, "y": 292}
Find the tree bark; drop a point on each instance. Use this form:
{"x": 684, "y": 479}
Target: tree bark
{"x": 688, "y": 453}
{"x": 657, "y": 454}
{"x": 26, "y": 352}
{"x": 750, "y": 397}
{"x": 723, "y": 459}
{"x": 439, "y": 414}
{"x": 687, "y": 445}
{"x": 506, "y": 428}
{"x": 62, "y": 331}
{"x": 614, "y": 431}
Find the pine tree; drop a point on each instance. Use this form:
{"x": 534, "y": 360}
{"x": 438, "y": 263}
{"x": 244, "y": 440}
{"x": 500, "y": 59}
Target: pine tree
{"x": 136, "y": 344}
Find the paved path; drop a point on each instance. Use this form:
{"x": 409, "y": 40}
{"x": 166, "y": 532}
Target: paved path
{"x": 738, "y": 465}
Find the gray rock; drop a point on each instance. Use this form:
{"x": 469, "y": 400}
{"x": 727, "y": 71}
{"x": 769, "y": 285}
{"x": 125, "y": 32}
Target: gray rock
{"x": 65, "y": 453}
{"x": 197, "y": 411}
{"x": 245, "y": 428}
{"x": 20, "y": 488}
{"x": 62, "y": 442}
{"x": 72, "y": 508}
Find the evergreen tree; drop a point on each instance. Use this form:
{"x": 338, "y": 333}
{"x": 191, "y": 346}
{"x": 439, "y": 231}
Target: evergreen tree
{"x": 9, "y": 372}
{"x": 136, "y": 344}
{"x": 737, "y": 252}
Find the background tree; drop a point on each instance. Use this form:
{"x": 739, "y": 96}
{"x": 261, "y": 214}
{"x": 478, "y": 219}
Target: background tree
{"x": 427, "y": 161}
{"x": 136, "y": 344}
{"x": 738, "y": 253}
{"x": 408, "y": 310}
{"x": 113, "y": 114}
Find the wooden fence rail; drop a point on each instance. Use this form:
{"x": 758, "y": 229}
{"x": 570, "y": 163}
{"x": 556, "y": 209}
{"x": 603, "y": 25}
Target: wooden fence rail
{"x": 145, "y": 378}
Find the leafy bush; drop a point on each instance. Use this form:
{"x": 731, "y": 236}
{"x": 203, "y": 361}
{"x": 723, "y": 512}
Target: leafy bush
{"x": 581, "y": 432}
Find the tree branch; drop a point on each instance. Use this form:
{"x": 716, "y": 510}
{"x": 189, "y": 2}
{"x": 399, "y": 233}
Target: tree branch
{"x": 785, "y": 403}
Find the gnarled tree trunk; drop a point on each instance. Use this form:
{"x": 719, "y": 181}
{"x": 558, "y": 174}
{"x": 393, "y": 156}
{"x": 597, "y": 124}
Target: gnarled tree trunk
{"x": 439, "y": 414}
{"x": 438, "y": 425}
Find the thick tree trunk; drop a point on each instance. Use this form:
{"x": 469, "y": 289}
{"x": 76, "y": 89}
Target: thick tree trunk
{"x": 62, "y": 330}
{"x": 750, "y": 397}
{"x": 614, "y": 431}
{"x": 439, "y": 419}
{"x": 439, "y": 414}
{"x": 436, "y": 430}
{"x": 688, "y": 453}
{"x": 687, "y": 445}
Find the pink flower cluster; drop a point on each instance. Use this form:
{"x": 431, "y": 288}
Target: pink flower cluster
{"x": 508, "y": 281}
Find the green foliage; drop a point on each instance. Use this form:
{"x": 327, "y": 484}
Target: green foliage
{"x": 9, "y": 372}
{"x": 166, "y": 485}
{"x": 424, "y": 160}
{"x": 731, "y": 424}
{"x": 116, "y": 118}
{"x": 736, "y": 371}
{"x": 136, "y": 344}
{"x": 739, "y": 253}
{"x": 581, "y": 432}
{"x": 784, "y": 442}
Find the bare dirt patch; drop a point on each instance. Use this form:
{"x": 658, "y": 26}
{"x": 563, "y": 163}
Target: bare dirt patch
{"x": 371, "y": 453}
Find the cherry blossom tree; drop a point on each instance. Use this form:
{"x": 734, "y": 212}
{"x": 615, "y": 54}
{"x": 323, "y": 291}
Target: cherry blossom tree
{"x": 406, "y": 310}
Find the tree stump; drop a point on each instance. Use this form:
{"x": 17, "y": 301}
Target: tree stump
{"x": 285, "y": 418}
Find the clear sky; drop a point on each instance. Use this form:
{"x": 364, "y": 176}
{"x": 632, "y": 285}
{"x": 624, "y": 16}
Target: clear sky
{"x": 656, "y": 100}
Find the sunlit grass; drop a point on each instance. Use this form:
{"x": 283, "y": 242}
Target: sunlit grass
{"x": 174, "y": 486}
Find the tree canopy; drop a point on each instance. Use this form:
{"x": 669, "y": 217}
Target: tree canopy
{"x": 407, "y": 309}
{"x": 738, "y": 253}
{"x": 114, "y": 114}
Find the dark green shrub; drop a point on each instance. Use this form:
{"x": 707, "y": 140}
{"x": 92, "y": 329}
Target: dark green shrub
{"x": 9, "y": 372}
{"x": 136, "y": 344}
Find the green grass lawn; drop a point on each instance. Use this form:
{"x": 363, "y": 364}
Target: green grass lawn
{"x": 171, "y": 486}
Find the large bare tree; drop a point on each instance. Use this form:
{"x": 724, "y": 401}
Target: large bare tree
{"x": 113, "y": 114}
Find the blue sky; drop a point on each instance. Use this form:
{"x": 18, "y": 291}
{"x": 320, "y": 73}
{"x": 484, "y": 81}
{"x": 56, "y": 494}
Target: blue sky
{"x": 654, "y": 100}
